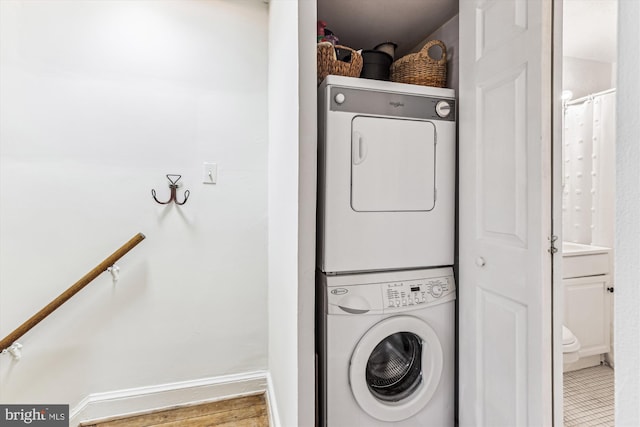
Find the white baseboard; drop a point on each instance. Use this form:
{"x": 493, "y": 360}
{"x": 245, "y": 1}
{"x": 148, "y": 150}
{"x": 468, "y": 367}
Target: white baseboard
{"x": 113, "y": 404}
{"x": 274, "y": 418}
{"x": 583, "y": 362}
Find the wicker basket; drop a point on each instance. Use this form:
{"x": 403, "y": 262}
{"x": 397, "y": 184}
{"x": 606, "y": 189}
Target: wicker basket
{"x": 420, "y": 68}
{"x": 329, "y": 64}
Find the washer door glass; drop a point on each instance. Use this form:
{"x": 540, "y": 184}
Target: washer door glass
{"x": 394, "y": 369}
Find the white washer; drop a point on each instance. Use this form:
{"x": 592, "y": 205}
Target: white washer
{"x": 386, "y": 175}
{"x": 387, "y": 348}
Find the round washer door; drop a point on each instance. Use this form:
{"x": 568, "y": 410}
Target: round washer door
{"x": 396, "y": 368}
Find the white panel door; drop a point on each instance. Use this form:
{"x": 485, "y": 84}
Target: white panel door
{"x": 505, "y": 368}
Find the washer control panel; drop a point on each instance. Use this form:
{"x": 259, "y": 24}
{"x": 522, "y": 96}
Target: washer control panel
{"x": 386, "y": 292}
{"x": 415, "y": 292}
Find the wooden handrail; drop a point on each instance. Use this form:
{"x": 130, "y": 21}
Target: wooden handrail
{"x": 66, "y": 295}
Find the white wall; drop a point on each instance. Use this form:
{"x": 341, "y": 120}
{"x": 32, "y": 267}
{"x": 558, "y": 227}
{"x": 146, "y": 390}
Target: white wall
{"x": 283, "y": 207}
{"x": 584, "y": 77}
{"x": 292, "y": 202}
{"x": 98, "y": 101}
{"x": 308, "y": 161}
{"x": 448, "y": 33}
{"x": 627, "y": 295}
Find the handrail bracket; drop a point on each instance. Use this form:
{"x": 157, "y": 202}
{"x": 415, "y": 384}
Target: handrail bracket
{"x": 15, "y": 350}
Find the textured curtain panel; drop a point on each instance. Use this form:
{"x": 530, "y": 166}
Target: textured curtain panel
{"x": 604, "y": 164}
{"x": 589, "y": 171}
{"x": 578, "y": 147}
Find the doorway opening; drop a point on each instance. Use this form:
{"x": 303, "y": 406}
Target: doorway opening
{"x": 588, "y": 196}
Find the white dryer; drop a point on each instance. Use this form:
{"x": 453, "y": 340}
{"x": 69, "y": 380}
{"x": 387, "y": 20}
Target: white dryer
{"x": 386, "y": 175}
{"x": 387, "y": 349}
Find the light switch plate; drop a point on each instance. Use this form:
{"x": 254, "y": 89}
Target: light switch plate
{"x": 209, "y": 173}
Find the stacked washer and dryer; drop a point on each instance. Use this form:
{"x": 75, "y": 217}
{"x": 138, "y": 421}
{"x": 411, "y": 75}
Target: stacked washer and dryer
{"x": 385, "y": 287}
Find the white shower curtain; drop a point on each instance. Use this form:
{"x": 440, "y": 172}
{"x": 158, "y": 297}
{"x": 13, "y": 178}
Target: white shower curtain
{"x": 589, "y": 171}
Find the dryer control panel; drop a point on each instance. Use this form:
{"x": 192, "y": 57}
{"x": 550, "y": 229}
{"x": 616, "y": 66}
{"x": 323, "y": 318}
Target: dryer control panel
{"x": 416, "y": 292}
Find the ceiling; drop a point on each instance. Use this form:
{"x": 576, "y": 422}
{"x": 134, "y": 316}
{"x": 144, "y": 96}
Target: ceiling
{"x": 363, "y": 24}
{"x": 589, "y": 26}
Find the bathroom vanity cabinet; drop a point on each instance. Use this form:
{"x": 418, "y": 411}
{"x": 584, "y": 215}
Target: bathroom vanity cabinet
{"x": 587, "y": 306}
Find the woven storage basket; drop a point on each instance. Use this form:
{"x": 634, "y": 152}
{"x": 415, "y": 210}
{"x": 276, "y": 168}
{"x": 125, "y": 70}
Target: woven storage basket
{"x": 329, "y": 64}
{"x": 420, "y": 68}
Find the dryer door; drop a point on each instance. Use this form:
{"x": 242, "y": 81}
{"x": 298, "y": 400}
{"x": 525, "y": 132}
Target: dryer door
{"x": 392, "y": 164}
{"x": 396, "y": 368}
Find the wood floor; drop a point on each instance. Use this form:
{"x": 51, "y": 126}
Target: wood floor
{"x": 248, "y": 411}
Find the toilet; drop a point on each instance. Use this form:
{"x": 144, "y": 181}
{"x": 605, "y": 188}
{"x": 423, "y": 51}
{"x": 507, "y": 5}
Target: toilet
{"x": 570, "y": 346}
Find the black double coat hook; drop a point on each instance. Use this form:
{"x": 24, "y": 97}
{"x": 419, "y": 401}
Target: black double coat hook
{"x": 173, "y": 180}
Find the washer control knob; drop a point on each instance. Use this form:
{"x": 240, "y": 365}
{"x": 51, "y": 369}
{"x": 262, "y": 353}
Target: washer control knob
{"x": 339, "y": 98}
{"x": 436, "y": 290}
{"x": 397, "y": 303}
{"x": 443, "y": 109}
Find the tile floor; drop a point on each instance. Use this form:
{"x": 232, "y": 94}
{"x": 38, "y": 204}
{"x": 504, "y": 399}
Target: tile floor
{"x": 588, "y": 397}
